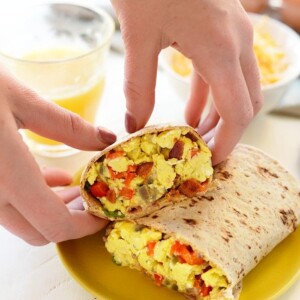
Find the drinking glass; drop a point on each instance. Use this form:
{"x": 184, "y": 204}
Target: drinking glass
{"x": 60, "y": 51}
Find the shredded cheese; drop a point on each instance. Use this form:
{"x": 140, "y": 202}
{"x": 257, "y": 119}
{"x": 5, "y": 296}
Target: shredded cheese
{"x": 271, "y": 59}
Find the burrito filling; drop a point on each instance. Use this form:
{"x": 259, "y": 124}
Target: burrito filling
{"x": 169, "y": 261}
{"x": 145, "y": 168}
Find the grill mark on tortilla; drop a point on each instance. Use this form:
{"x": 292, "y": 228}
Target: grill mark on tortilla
{"x": 190, "y": 222}
{"x": 154, "y": 217}
{"x": 263, "y": 171}
{"x": 225, "y": 239}
{"x": 285, "y": 187}
{"x": 193, "y": 202}
{"x": 241, "y": 272}
{"x": 208, "y": 198}
{"x": 238, "y": 194}
{"x": 257, "y": 229}
{"x": 288, "y": 218}
{"x": 183, "y": 207}
{"x": 243, "y": 222}
{"x": 236, "y": 211}
{"x": 229, "y": 234}
{"x": 133, "y": 210}
{"x": 224, "y": 175}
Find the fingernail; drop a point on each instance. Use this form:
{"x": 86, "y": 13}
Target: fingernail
{"x": 106, "y": 136}
{"x": 130, "y": 123}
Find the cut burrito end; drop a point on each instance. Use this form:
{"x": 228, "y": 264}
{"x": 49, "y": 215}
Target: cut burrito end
{"x": 168, "y": 260}
{"x": 128, "y": 179}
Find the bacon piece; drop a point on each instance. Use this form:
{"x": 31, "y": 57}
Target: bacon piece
{"x": 177, "y": 150}
{"x": 111, "y": 196}
{"x": 144, "y": 169}
{"x": 192, "y": 136}
{"x": 190, "y": 187}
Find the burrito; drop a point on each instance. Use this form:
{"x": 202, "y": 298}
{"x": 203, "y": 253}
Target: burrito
{"x": 204, "y": 246}
{"x": 144, "y": 171}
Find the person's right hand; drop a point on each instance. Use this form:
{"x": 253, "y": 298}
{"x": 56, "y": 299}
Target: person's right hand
{"x": 28, "y": 207}
{"x": 218, "y": 38}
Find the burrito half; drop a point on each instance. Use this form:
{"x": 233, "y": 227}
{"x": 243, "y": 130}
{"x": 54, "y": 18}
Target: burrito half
{"x": 133, "y": 177}
{"x": 205, "y": 245}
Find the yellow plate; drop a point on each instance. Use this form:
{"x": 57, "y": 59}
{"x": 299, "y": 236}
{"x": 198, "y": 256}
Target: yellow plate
{"x": 91, "y": 265}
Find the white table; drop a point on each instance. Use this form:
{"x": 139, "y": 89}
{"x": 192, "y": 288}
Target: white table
{"x": 33, "y": 273}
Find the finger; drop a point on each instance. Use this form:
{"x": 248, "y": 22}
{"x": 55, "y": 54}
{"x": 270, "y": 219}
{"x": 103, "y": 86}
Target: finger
{"x": 234, "y": 106}
{"x": 209, "y": 135}
{"x": 210, "y": 121}
{"x": 55, "y": 222}
{"x": 56, "y": 177}
{"x": 141, "y": 59}
{"x": 69, "y": 194}
{"x": 50, "y": 120}
{"x": 196, "y": 101}
{"x": 251, "y": 75}
{"x": 91, "y": 223}
{"x": 76, "y": 204}
{"x": 49, "y": 215}
{"x": 14, "y": 222}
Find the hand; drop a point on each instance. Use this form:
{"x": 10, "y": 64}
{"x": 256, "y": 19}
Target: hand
{"x": 28, "y": 207}
{"x": 217, "y": 36}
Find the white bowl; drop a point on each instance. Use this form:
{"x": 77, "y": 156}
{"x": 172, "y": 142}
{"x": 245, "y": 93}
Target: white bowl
{"x": 286, "y": 38}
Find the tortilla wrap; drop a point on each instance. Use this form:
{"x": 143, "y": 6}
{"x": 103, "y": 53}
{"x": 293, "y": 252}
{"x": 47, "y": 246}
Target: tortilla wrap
{"x": 254, "y": 205}
{"x": 132, "y": 177}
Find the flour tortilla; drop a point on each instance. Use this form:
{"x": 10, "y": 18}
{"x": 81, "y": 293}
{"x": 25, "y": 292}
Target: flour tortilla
{"x": 92, "y": 205}
{"x": 254, "y": 205}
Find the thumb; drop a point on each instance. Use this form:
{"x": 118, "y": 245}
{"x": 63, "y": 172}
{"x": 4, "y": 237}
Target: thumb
{"x": 52, "y": 121}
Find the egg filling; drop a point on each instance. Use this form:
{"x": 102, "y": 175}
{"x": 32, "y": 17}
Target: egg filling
{"x": 145, "y": 168}
{"x": 167, "y": 260}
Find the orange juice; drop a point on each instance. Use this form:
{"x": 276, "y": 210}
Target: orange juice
{"x": 78, "y": 93}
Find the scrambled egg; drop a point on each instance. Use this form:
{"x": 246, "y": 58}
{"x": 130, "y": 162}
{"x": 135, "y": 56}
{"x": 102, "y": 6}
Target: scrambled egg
{"x": 271, "y": 59}
{"x": 145, "y": 168}
{"x": 130, "y": 246}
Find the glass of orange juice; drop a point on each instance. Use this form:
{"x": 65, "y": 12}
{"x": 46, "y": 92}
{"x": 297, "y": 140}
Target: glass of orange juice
{"x": 59, "y": 50}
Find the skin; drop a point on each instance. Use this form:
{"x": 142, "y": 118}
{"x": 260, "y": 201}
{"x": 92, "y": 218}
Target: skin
{"x": 29, "y": 208}
{"x": 218, "y": 37}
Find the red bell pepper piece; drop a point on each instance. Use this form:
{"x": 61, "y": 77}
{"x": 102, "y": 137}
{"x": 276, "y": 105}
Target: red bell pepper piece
{"x": 99, "y": 189}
